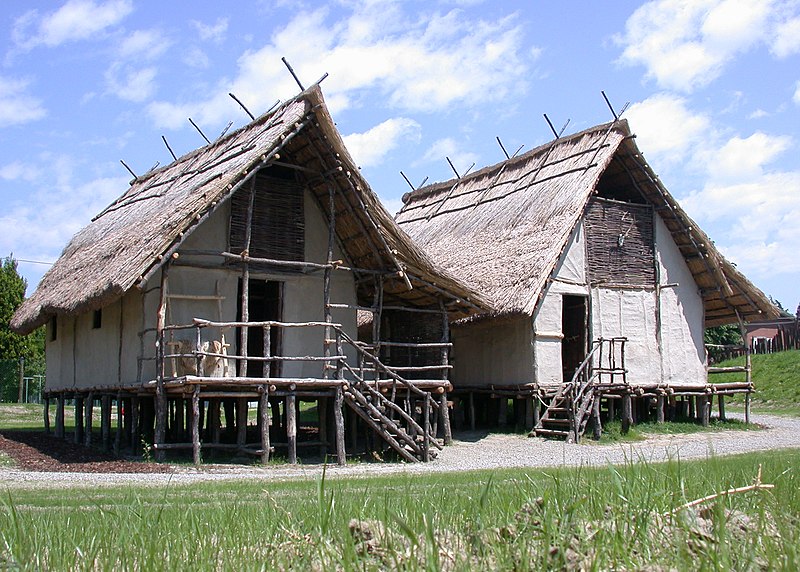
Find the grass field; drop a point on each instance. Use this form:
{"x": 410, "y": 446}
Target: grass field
{"x": 776, "y": 378}
{"x": 606, "y": 518}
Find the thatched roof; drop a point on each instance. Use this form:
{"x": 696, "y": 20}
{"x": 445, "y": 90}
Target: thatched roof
{"x": 125, "y": 244}
{"x": 502, "y": 229}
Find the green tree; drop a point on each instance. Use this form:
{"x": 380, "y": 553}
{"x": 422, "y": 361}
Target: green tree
{"x": 14, "y": 346}
{"x": 725, "y": 335}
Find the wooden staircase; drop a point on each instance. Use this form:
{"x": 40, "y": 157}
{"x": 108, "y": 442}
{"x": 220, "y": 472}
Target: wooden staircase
{"x": 414, "y": 440}
{"x": 569, "y": 410}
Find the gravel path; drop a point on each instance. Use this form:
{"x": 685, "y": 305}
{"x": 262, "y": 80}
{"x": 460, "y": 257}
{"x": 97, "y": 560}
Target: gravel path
{"x": 470, "y": 451}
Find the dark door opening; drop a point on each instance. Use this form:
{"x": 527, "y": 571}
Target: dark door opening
{"x": 264, "y": 305}
{"x": 574, "y": 326}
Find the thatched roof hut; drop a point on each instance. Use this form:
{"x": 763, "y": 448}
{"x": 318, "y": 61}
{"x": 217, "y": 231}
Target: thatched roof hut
{"x": 130, "y": 240}
{"x": 501, "y": 230}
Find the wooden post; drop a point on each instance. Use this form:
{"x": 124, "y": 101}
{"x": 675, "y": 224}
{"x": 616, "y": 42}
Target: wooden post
{"x": 445, "y": 416}
{"x": 291, "y": 427}
{"x": 196, "y": 458}
{"x": 721, "y": 402}
{"x": 747, "y": 407}
{"x": 46, "y": 414}
{"x": 136, "y": 427}
{"x": 263, "y": 423}
{"x": 120, "y": 426}
{"x": 692, "y": 408}
{"x": 245, "y": 301}
{"x": 105, "y": 421}
{"x": 159, "y": 434}
{"x": 60, "y": 416}
{"x": 78, "y": 436}
{"x": 338, "y": 416}
{"x": 87, "y": 414}
{"x": 472, "y": 410}
{"x": 660, "y": 409}
{"x": 597, "y": 427}
{"x": 705, "y": 405}
{"x": 611, "y": 405}
{"x": 214, "y": 419}
{"x": 502, "y": 411}
{"x": 352, "y": 428}
{"x": 179, "y": 428}
{"x": 627, "y": 414}
{"x": 276, "y": 414}
{"x": 529, "y": 404}
{"x": 241, "y": 422}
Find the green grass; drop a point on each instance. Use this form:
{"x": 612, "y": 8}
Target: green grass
{"x": 30, "y": 416}
{"x": 776, "y": 378}
{"x": 612, "y": 432}
{"x": 604, "y": 518}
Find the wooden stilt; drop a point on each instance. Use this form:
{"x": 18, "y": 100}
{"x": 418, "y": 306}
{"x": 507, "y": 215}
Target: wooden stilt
{"x": 627, "y": 413}
{"x": 291, "y": 427}
{"x": 338, "y": 406}
{"x": 529, "y": 424}
{"x": 214, "y": 419}
{"x": 705, "y": 411}
{"x": 444, "y": 414}
{"x": 78, "y": 436}
{"x": 160, "y": 429}
{"x": 241, "y": 421}
{"x": 120, "y": 427}
{"x": 747, "y": 408}
{"x": 46, "y": 414}
{"x": 195, "y": 421}
{"x": 472, "y": 410}
{"x": 136, "y": 426}
{"x": 352, "y": 428}
{"x": 105, "y": 421}
{"x": 721, "y": 403}
{"x": 60, "y": 417}
{"x": 276, "y": 414}
{"x": 660, "y": 409}
{"x": 263, "y": 423}
{"x": 611, "y": 405}
{"x": 127, "y": 416}
{"x": 692, "y": 407}
{"x": 88, "y": 407}
{"x": 597, "y": 427}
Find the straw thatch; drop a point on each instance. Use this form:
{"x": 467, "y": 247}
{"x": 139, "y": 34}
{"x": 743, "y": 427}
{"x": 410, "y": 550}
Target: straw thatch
{"x": 502, "y": 229}
{"x": 129, "y": 241}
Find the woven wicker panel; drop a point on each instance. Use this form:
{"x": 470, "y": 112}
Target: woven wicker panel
{"x": 412, "y": 327}
{"x": 620, "y": 243}
{"x": 278, "y": 230}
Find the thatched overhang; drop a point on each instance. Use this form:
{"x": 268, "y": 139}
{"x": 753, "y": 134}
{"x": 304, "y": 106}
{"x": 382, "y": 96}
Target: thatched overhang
{"x": 502, "y": 230}
{"x": 133, "y": 237}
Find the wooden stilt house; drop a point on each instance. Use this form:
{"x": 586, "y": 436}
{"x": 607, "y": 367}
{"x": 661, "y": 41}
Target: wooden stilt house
{"x": 232, "y": 280}
{"x": 602, "y": 285}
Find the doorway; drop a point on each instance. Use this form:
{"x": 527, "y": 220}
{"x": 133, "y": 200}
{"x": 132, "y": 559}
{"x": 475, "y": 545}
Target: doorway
{"x": 264, "y": 305}
{"x": 574, "y": 327}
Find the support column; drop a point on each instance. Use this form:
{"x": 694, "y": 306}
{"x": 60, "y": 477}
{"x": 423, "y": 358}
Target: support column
{"x": 747, "y": 407}
{"x": 263, "y": 423}
{"x": 120, "y": 426}
{"x": 597, "y": 426}
{"x": 241, "y": 422}
{"x": 78, "y": 436}
{"x": 721, "y": 403}
{"x": 291, "y": 427}
{"x": 195, "y": 422}
{"x": 660, "y": 409}
{"x": 60, "y": 416}
{"x": 136, "y": 427}
{"x": 705, "y": 409}
{"x": 502, "y": 411}
{"x": 472, "y": 410}
{"x": 87, "y": 414}
{"x": 322, "y": 415}
{"x": 338, "y": 415}
{"x": 160, "y": 431}
{"x": 46, "y": 414}
{"x": 179, "y": 428}
{"x": 627, "y": 412}
{"x": 444, "y": 414}
{"x": 105, "y": 421}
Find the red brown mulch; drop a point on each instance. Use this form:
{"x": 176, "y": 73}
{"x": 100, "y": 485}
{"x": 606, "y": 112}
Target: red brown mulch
{"x": 36, "y": 451}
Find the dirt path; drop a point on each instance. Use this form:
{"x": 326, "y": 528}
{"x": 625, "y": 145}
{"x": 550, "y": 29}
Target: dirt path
{"x": 470, "y": 451}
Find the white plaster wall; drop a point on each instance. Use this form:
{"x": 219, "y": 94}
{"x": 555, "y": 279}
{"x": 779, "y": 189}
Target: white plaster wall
{"x": 492, "y": 352}
{"x": 682, "y": 314}
{"x": 568, "y": 278}
{"x": 630, "y": 313}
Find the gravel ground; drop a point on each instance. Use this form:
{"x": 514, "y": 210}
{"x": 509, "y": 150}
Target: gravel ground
{"x": 471, "y": 450}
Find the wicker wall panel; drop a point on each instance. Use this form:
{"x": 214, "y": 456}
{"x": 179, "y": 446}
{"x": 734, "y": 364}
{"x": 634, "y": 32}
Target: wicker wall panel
{"x": 278, "y": 230}
{"x": 411, "y": 327}
{"x": 620, "y": 243}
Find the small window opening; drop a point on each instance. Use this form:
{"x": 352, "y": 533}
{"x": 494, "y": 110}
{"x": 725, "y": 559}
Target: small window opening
{"x": 53, "y": 328}
{"x": 97, "y": 319}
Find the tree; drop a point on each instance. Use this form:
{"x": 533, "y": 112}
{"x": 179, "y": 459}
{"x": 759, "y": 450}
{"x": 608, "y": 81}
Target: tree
{"x": 14, "y": 347}
{"x": 725, "y": 335}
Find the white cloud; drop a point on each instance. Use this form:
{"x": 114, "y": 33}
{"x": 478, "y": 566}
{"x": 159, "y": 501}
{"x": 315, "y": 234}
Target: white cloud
{"x": 758, "y": 114}
{"x": 369, "y": 148}
{"x": 18, "y": 171}
{"x": 75, "y": 20}
{"x": 796, "y": 97}
{"x": 786, "y": 40}
{"x": 130, "y": 83}
{"x": 740, "y": 159}
{"x": 214, "y": 32}
{"x": 196, "y": 58}
{"x": 422, "y": 62}
{"x": 16, "y": 105}
{"x": 442, "y": 149}
{"x": 147, "y": 44}
{"x": 685, "y": 44}
{"x": 665, "y": 127}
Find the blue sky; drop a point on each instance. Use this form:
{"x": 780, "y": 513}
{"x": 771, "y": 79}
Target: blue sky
{"x": 713, "y": 86}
